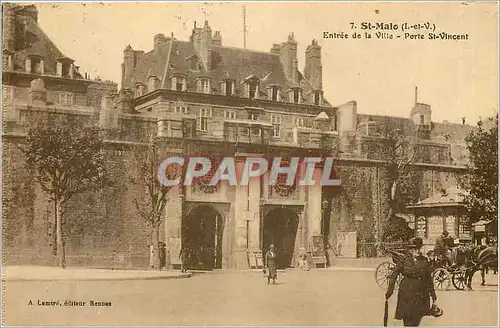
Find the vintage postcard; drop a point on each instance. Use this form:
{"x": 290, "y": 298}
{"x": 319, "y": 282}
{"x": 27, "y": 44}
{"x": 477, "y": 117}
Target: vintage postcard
{"x": 250, "y": 163}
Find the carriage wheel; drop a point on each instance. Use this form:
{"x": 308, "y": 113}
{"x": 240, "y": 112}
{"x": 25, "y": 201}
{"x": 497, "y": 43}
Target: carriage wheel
{"x": 459, "y": 280}
{"x": 441, "y": 279}
{"x": 383, "y": 272}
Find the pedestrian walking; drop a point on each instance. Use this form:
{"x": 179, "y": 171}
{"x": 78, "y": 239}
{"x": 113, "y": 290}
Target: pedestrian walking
{"x": 416, "y": 288}
{"x": 271, "y": 267}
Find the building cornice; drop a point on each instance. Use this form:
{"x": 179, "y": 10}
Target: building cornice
{"x": 234, "y": 101}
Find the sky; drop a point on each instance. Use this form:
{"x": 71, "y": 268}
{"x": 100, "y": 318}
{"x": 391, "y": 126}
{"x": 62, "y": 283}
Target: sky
{"x": 457, "y": 78}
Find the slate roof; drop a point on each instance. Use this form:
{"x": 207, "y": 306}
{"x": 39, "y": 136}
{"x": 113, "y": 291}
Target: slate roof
{"x": 33, "y": 41}
{"x": 226, "y": 63}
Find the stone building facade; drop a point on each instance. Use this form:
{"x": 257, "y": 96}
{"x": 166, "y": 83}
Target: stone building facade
{"x": 201, "y": 97}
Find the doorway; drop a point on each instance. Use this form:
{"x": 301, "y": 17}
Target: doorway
{"x": 202, "y": 238}
{"x": 280, "y": 229}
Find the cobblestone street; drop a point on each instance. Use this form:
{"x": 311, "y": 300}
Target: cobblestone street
{"x": 317, "y": 297}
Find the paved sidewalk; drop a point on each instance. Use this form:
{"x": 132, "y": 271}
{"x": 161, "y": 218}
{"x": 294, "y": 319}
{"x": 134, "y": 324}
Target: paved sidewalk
{"x": 360, "y": 263}
{"x": 43, "y": 273}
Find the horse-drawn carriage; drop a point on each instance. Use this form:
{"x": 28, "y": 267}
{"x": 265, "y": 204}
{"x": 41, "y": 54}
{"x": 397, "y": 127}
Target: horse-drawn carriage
{"x": 466, "y": 261}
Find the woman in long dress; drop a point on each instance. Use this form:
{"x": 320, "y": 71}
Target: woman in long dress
{"x": 271, "y": 265}
{"x": 416, "y": 288}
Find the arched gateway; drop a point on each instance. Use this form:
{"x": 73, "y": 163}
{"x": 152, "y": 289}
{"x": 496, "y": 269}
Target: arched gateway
{"x": 280, "y": 229}
{"x": 202, "y": 238}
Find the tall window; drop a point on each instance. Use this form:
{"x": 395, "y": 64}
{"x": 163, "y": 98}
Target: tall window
{"x": 276, "y": 122}
{"x": 422, "y": 119}
{"x": 66, "y": 99}
{"x": 202, "y": 119}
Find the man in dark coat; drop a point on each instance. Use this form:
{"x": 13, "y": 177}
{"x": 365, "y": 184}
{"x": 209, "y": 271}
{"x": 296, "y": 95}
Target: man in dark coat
{"x": 416, "y": 288}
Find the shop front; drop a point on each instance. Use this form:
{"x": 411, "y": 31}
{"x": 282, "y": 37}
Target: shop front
{"x": 442, "y": 212}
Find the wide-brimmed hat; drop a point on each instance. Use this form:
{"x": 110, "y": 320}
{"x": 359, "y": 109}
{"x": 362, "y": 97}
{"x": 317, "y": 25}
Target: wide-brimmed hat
{"x": 415, "y": 242}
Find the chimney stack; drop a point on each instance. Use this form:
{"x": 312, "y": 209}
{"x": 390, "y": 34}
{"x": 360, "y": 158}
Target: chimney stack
{"x": 159, "y": 40}
{"x": 313, "y": 70}
{"x": 202, "y": 42}
{"x": 288, "y": 57}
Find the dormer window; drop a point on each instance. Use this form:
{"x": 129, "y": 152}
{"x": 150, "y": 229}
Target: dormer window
{"x": 34, "y": 65}
{"x": 64, "y": 67}
{"x": 252, "y": 90}
{"x": 178, "y": 83}
{"x": 204, "y": 86}
{"x": 317, "y": 98}
{"x": 153, "y": 83}
{"x": 295, "y": 95}
{"x": 139, "y": 90}
{"x": 227, "y": 87}
{"x": 194, "y": 63}
{"x": 251, "y": 86}
{"x": 273, "y": 92}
